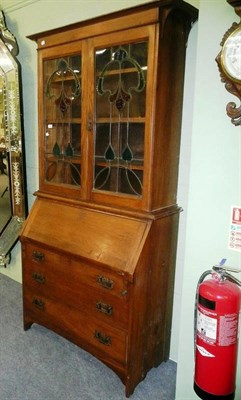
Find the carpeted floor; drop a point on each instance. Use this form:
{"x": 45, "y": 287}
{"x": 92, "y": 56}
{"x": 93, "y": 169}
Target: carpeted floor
{"x": 40, "y": 365}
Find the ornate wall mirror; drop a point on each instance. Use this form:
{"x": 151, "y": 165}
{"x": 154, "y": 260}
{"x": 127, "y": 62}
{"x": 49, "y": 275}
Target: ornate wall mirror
{"x": 13, "y": 201}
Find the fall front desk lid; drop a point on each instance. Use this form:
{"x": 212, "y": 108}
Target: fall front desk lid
{"x": 113, "y": 240}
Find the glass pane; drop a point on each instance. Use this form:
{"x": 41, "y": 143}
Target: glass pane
{"x": 120, "y": 118}
{"x": 62, "y": 83}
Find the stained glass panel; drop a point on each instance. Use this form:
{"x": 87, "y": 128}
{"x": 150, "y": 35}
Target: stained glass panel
{"x": 120, "y": 118}
{"x": 62, "y": 87}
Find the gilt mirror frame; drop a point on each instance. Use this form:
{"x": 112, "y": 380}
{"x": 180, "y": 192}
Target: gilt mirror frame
{"x": 12, "y": 123}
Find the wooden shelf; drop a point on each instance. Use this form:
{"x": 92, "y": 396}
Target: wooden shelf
{"x": 116, "y": 120}
{"x": 63, "y": 121}
{"x": 59, "y": 80}
{"x": 62, "y": 157}
{"x": 133, "y": 165}
{"x": 122, "y": 71}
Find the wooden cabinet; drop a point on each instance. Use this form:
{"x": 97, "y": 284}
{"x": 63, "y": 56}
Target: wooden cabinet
{"x": 99, "y": 245}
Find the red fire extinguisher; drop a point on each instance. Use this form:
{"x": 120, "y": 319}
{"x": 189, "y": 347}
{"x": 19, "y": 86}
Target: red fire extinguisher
{"x": 217, "y": 309}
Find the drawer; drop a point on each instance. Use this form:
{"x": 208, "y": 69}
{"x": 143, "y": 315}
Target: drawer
{"x": 59, "y": 283}
{"x": 68, "y": 268}
{"x": 100, "y": 339}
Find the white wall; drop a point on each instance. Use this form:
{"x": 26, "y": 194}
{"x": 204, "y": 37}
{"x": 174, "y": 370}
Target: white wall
{"x": 209, "y": 179}
{"x": 214, "y": 180}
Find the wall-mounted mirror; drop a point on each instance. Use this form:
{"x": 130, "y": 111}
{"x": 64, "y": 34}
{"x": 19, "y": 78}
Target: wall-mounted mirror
{"x": 13, "y": 201}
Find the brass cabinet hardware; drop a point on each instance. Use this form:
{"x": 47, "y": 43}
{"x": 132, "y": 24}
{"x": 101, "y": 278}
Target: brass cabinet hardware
{"x": 38, "y": 256}
{"x": 38, "y": 303}
{"x": 105, "y": 282}
{"x": 104, "y": 308}
{"x": 102, "y": 338}
{"x": 38, "y": 277}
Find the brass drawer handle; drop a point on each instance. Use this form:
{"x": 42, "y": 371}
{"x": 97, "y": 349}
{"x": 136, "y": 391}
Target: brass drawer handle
{"x": 105, "y": 282}
{"x": 38, "y": 256}
{"x": 102, "y": 338}
{"x": 104, "y": 308}
{"x": 38, "y": 303}
{"x": 38, "y": 277}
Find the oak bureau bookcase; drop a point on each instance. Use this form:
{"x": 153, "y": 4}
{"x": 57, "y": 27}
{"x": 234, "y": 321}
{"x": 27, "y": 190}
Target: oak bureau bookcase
{"x": 99, "y": 245}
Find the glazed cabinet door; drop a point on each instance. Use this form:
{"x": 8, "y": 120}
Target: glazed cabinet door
{"x": 60, "y": 120}
{"x": 124, "y": 67}
{"x": 96, "y": 117}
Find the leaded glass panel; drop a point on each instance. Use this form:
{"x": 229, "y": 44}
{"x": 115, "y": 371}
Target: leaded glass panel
{"x": 62, "y": 86}
{"x": 120, "y": 118}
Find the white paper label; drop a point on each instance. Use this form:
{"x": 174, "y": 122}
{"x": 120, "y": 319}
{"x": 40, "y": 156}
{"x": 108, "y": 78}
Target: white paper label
{"x": 204, "y": 352}
{"x": 234, "y": 239}
{"x": 228, "y": 329}
{"x": 207, "y": 326}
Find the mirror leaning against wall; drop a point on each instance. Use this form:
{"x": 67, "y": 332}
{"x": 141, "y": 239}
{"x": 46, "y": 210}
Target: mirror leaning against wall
{"x": 13, "y": 200}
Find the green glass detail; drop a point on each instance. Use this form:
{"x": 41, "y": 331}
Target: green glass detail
{"x": 109, "y": 154}
{"x": 117, "y": 94}
{"x": 65, "y": 98}
{"x": 120, "y": 55}
{"x": 127, "y": 154}
{"x": 69, "y": 151}
{"x": 120, "y": 81}
{"x": 99, "y": 87}
{"x": 56, "y": 150}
